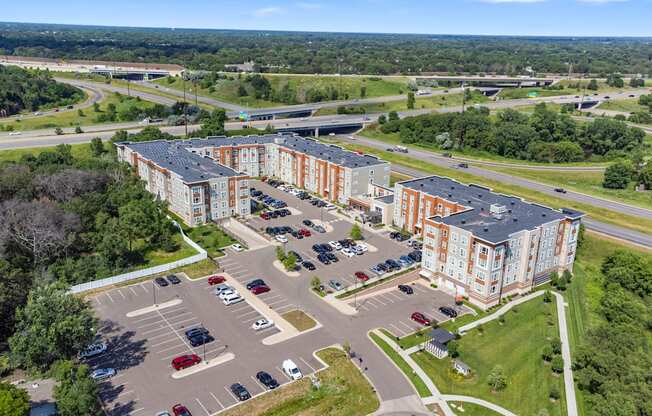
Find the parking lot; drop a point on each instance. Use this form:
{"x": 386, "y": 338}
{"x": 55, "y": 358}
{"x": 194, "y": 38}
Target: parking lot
{"x": 141, "y": 348}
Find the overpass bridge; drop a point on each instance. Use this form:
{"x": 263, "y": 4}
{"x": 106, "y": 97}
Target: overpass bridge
{"x": 489, "y": 80}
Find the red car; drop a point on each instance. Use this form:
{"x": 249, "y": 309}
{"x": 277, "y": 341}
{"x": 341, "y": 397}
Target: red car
{"x": 185, "y": 361}
{"x": 180, "y": 410}
{"x": 420, "y": 318}
{"x": 264, "y": 216}
{"x": 304, "y": 232}
{"x": 361, "y": 276}
{"x": 257, "y": 290}
{"x": 216, "y": 280}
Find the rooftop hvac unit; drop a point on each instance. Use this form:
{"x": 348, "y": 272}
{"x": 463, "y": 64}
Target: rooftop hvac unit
{"x": 497, "y": 210}
{"x": 279, "y": 140}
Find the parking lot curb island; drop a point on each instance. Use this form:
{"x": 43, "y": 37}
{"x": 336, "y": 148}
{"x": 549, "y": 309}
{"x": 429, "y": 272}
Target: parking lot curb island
{"x": 204, "y": 365}
{"x": 153, "y": 308}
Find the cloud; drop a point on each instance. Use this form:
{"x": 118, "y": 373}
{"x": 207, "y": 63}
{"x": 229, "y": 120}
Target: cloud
{"x": 309, "y": 6}
{"x": 267, "y": 11}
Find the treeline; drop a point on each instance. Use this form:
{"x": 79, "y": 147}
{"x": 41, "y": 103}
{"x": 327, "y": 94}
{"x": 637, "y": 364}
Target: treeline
{"x": 544, "y": 136}
{"x": 25, "y": 90}
{"x": 301, "y": 52}
{"x": 612, "y": 366}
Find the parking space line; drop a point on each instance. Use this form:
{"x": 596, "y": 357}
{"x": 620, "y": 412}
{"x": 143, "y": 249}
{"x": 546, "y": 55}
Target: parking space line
{"x": 283, "y": 372}
{"x": 122, "y": 294}
{"x": 194, "y": 318}
{"x": 162, "y": 342}
{"x": 216, "y": 399}
{"x": 176, "y": 333}
{"x": 400, "y": 332}
{"x": 157, "y": 336}
{"x": 255, "y": 318}
{"x": 377, "y": 299}
{"x": 306, "y": 363}
{"x": 270, "y": 297}
{"x": 241, "y": 308}
{"x": 202, "y": 406}
{"x": 231, "y": 394}
{"x": 169, "y": 348}
{"x": 396, "y": 295}
{"x": 258, "y": 383}
{"x": 277, "y": 301}
{"x": 109, "y": 296}
{"x": 133, "y": 291}
{"x": 142, "y": 285}
{"x": 97, "y": 299}
{"x": 288, "y": 307}
{"x": 149, "y": 331}
{"x": 246, "y": 313}
{"x": 410, "y": 329}
{"x": 371, "y": 302}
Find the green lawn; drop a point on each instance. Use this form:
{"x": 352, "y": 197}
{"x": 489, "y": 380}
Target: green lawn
{"x": 586, "y": 182}
{"x": 514, "y": 93}
{"x": 157, "y": 257}
{"x": 515, "y": 345}
{"x": 630, "y": 105}
{"x": 211, "y": 238}
{"x": 227, "y": 89}
{"x": 79, "y": 151}
{"x": 612, "y": 217}
{"x": 73, "y": 119}
{"x": 418, "y": 384}
{"x": 197, "y": 270}
{"x": 470, "y": 409}
{"x": 343, "y": 392}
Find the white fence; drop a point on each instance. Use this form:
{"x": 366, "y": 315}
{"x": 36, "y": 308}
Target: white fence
{"x": 125, "y": 277}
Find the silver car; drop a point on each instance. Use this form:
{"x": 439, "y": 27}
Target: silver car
{"x": 102, "y": 373}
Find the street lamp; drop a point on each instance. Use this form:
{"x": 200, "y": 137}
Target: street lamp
{"x": 154, "y": 292}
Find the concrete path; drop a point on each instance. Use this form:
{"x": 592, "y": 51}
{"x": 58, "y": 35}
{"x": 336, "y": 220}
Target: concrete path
{"x": 479, "y": 402}
{"x": 436, "y": 395}
{"x": 252, "y": 239}
{"x": 408, "y": 405}
{"x": 501, "y": 311}
{"x": 569, "y": 385}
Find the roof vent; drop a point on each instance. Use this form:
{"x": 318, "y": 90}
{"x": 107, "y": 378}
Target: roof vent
{"x": 515, "y": 219}
{"x": 497, "y": 210}
{"x": 512, "y": 203}
{"x": 544, "y": 214}
{"x": 479, "y": 195}
{"x": 463, "y": 222}
{"x": 486, "y": 229}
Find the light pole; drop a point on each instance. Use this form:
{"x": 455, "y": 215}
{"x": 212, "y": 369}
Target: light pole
{"x": 185, "y": 104}
{"x": 154, "y": 292}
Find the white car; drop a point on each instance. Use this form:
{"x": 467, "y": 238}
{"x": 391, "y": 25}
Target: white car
{"x": 232, "y": 298}
{"x": 102, "y": 373}
{"x": 291, "y": 369}
{"x": 227, "y": 292}
{"x": 262, "y": 324}
{"x": 361, "y": 247}
{"x": 336, "y": 245}
{"x": 237, "y": 247}
{"x": 330, "y": 207}
{"x": 348, "y": 252}
{"x": 281, "y": 238}
{"x": 222, "y": 287}
{"x": 92, "y": 350}
{"x": 14, "y": 133}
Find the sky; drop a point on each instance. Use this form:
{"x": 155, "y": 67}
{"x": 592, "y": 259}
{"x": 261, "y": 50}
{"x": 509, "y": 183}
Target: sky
{"x": 476, "y": 17}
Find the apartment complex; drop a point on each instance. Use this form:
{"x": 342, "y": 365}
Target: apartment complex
{"x": 207, "y": 179}
{"x": 481, "y": 244}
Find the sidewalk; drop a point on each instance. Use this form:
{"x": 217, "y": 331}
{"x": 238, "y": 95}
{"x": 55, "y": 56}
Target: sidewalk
{"x": 569, "y": 385}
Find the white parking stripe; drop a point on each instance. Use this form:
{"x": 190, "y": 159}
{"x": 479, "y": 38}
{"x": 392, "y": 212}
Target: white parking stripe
{"x": 97, "y": 299}
{"x": 287, "y": 307}
{"x": 163, "y": 342}
{"x": 377, "y": 299}
{"x": 266, "y": 299}
{"x": 306, "y": 363}
{"x": 216, "y": 399}
{"x": 159, "y": 336}
{"x": 277, "y": 302}
{"x": 194, "y": 318}
{"x": 177, "y": 334}
{"x": 246, "y": 313}
{"x": 122, "y": 294}
{"x": 202, "y": 406}
{"x": 231, "y": 394}
{"x": 109, "y": 296}
{"x": 255, "y": 318}
{"x": 149, "y": 331}
{"x": 133, "y": 291}
{"x": 169, "y": 348}
{"x": 241, "y": 308}
{"x": 258, "y": 383}
{"x": 266, "y": 329}
{"x": 142, "y": 286}
{"x": 410, "y": 329}
{"x": 398, "y": 331}
{"x": 283, "y": 372}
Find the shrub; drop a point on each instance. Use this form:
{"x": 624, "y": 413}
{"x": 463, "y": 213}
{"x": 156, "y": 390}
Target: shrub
{"x": 557, "y": 364}
{"x": 556, "y": 345}
{"x": 547, "y": 353}
{"x": 554, "y": 393}
{"x": 547, "y": 296}
{"x": 497, "y": 380}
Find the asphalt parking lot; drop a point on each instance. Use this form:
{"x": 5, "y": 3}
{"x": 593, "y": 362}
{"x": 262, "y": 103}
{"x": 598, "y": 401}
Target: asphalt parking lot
{"x": 141, "y": 349}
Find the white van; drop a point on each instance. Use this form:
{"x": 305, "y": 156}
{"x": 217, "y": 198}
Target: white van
{"x": 291, "y": 369}
{"x": 232, "y": 298}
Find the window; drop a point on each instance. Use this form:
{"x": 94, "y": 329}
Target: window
{"x": 493, "y": 289}
{"x": 462, "y": 252}
{"x": 480, "y": 275}
{"x": 484, "y": 250}
{"x": 482, "y": 263}
{"x": 454, "y": 236}
{"x": 196, "y": 199}
{"x": 464, "y": 240}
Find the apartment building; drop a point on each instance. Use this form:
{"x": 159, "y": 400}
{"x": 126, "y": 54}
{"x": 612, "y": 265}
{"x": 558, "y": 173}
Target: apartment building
{"x": 196, "y": 188}
{"x": 330, "y": 171}
{"x": 481, "y": 244}
{"x": 207, "y": 179}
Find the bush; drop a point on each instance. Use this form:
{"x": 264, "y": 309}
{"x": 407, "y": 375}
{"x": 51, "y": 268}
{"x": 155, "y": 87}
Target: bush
{"x": 453, "y": 349}
{"x": 554, "y": 393}
{"x": 547, "y": 353}
{"x": 14, "y": 401}
{"x": 618, "y": 175}
{"x": 557, "y": 364}
{"x": 556, "y": 345}
{"x": 547, "y": 296}
{"x": 497, "y": 380}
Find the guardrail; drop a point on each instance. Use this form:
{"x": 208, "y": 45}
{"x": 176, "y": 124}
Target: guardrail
{"x": 137, "y": 274}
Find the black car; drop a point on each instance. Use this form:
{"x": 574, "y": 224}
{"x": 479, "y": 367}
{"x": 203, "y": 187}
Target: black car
{"x": 406, "y": 289}
{"x": 173, "y": 279}
{"x": 448, "y": 311}
{"x": 240, "y": 392}
{"x": 322, "y": 257}
{"x": 560, "y": 190}
{"x": 273, "y": 214}
{"x": 286, "y": 211}
{"x": 332, "y": 257}
{"x": 267, "y": 380}
{"x": 201, "y": 339}
{"x": 254, "y": 283}
{"x": 392, "y": 265}
{"x": 401, "y": 237}
{"x": 307, "y": 223}
{"x": 193, "y": 332}
{"x": 281, "y": 213}
{"x": 314, "y": 202}
{"x": 161, "y": 282}
{"x": 415, "y": 255}
{"x": 393, "y": 235}
{"x": 382, "y": 267}
{"x": 463, "y": 165}
{"x": 327, "y": 248}
{"x": 317, "y": 248}
{"x": 286, "y": 229}
{"x": 296, "y": 256}
{"x": 308, "y": 265}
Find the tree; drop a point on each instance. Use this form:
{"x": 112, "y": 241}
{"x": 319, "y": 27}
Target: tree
{"x": 557, "y": 364}
{"x": 567, "y": 276}
{"x": 14, "y": 401}
{"x": 53, "y": 325}
{"x": 645, "y": 177}
{"x": 410, "y": 100}
{"x": 213, "y": 125}
{"x": 547, "y": 353}
{"x": 615, "y": 80}
{"x": 315, "y": 282}
{"x": 554, "y": 278}
{"x": 134, "y": 221}
{"x": 363, "y": 91}
{"x": 76, "y": 393}
{"x": 97, "y": 147}
{"x": 290, "y": 262}
{"x": 497, "y": 380}
{"x": 280, "y": 254}
{"x": 453, "y": 349}
{"x": 356, "y": 232}
{"x": 78, "y": 130}
{"x": 554, "y": 393}
{"x": 80, "y": 113}
{"x": 382, "y": 119}
{"x": 547, "y": 296}
{"x": 618, "y": 175}
{"x": 555, "y": 344}
{"x": 96, "y": 107}
{"x": 393, "y": 116}
{"x": 58, "y": 131}
{"x": 593, "y": 85}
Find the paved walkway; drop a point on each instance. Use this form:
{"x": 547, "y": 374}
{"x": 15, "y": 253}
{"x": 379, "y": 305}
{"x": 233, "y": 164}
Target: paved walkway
{"x": 479, "y": 402}
{"x": 503, "y": 310}
{"x": 569, "y": 385}
{"x": 408, "y": 405}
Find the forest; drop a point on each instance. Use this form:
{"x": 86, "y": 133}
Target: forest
{"x": 22, "y": 90}
{"x": 347, "y": 53}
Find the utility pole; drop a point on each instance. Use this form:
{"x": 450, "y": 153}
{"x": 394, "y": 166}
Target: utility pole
{"x": 463, "y": 97}
{"x": 185, "y": 106}
{"x": 194, "y": 84}
{"x": 128, "y": 90}
{"x": 154, "y": 292}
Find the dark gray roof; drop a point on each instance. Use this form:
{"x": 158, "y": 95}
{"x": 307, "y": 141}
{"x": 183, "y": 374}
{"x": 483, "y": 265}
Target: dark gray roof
{"x": 387, "y": 199}
{"x": 518, "y": 215}
{"x": 319, "y": 150}
{"x": 441, "y": 336}
{"x": 176, "y": 157}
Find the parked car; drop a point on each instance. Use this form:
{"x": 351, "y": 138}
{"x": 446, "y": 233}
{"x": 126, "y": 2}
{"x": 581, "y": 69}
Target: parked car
{"x": 361, "y": 247}
{"x": 216, "y": 279}
{"x": 415, "y": 255}
{"x": 92, "y": 350}
{"x": 261, "y": 324}
{"x": 193, "y": 332}
{"x": 405, "y": 261}
{"x": 172, "y": 278}
{"x": 185, "y": 361}
{"x": 348, "y": 252}
{"x": 463, "y": 165}
{"x": 266, "y": 380}
{"x": 406, "y": 289}
{"x": 305, "y": 233}
{"x": 323, "y": 258}
{"x": 221, "y": 288}
{"x": 332, "y": 257}
{"x": 297, "y": 235}
{"x": 259, "y": 290}
{"x": 201, "y": 339}
{"x": 392, "y": 265}
{"x": 254, "y": 283}
{"x": 326, "y": 248}
{"x": 240, "y": 392}
{"x": 307, "y": 223}
{"x": 103, "y": 373}
{"x": 362, "y": 276}
{"x": 319, "y": 229}
{"x": 335, "y": 284}
{"x": 448, "y": 311}
{"x": 335, "y": 244}
{"x": 376, "y": 269}
{"x": 420, "y": 318}
{"x": 224, "y": 292}
{"x": 281, "y": 238}
{"x": 237, "y": 247}
{"x": 308, "y": 265}
{"x": 291, "y": 369}
{"x": 161, "y": 282}
{"x": 560, "y": 190}
{"x": 180, "y": 410}
{"x": 231, "y": 299}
